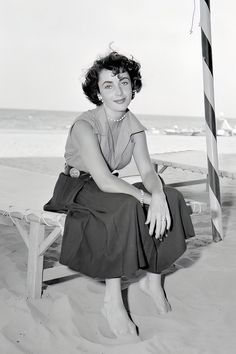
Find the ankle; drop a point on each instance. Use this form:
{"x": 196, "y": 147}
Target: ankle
{"x": 152, "y": 281}
{"x": 113, "y": 300}
{"x": 113, "y": 292}
{"x": 113, "y": 303}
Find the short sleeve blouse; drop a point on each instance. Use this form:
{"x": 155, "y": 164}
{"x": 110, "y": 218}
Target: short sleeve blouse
{"x": 117, "y": 156}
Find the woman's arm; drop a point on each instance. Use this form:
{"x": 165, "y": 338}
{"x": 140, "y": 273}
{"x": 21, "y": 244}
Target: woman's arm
{"x": 89, "y": 148}
{"x": 142, "y": 159}
{"x": 158, "y": 216}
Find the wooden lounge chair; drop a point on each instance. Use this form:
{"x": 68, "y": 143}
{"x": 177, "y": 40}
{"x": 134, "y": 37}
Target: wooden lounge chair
{"x": 21, "y": 205}
{"x": 194, "y": 161}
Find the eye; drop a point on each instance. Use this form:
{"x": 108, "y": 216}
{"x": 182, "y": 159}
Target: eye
{"x": 125, "y": 82}
{"x": 108, "y": 86}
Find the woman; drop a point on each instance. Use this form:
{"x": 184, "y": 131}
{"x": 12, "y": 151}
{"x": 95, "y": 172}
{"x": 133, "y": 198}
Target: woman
{"x": 112, "y": 228}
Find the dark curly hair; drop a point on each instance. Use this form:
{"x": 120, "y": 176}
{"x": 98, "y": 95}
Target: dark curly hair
{"x": 117, "y": 63}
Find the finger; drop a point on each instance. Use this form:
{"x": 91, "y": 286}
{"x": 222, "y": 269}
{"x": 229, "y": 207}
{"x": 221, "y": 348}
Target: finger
{"x": 148, "y": 217}
{"x": 163, "y": 226}
{"x": 158, "y": 229}
{"x": 152, "y": 226}
{"x": 168, "y": 220}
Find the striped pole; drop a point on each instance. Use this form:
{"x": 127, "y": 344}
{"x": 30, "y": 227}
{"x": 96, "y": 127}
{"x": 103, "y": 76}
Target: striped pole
{"x": 211, "y": 139}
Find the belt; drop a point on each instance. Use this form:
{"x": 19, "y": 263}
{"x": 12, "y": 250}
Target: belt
{"x": 75, "y": 173}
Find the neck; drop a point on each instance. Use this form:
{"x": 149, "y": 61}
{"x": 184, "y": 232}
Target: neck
{"x": 112, "y": 115}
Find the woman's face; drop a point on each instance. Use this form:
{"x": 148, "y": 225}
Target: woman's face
{"x": 116, "y": 90}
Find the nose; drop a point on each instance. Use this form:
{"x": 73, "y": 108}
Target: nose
{"x": 118, "y": 90}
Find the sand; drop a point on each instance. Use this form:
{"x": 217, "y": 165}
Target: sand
{"x": 200, "y": 286}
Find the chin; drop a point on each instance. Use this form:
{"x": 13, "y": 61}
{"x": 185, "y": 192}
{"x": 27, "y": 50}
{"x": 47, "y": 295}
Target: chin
{"x": 121, "y": 107}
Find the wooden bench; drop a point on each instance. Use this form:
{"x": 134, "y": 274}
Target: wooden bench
{"x": 33, "y": 222}
{"x": 194, "y": 161}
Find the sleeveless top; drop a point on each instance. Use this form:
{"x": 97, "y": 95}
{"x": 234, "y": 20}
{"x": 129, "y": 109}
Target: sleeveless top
{"x": 116, "y": 156}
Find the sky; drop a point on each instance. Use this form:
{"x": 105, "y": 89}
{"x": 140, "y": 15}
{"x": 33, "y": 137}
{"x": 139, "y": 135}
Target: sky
{"x": 46, "y": 46}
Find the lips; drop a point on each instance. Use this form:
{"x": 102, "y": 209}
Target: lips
{"x": 120, "y": 101}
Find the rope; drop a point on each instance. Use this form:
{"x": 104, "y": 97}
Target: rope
{"x": 41, "y": 218}
{"x": 193, "y": 15}
{"x": 26, "y": 213}
{"x": 58, "y": 218}
{"x": 9, "y": 214}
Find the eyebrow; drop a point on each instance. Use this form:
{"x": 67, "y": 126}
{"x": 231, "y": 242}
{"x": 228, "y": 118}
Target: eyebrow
{"x": 123, "y": 78}
{"x": 107, "y": 82}
{"x": 111, "y": 82}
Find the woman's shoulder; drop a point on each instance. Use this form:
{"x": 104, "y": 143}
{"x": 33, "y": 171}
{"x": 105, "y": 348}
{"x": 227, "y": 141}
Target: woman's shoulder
{"x": 134, "y": 123}
{"x": 86, "y": 118}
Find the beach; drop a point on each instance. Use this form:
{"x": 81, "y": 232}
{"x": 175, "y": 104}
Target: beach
{"x": 67, "y": 319}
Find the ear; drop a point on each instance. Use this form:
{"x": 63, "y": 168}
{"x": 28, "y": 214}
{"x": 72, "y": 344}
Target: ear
{"x": 100, "y": 97}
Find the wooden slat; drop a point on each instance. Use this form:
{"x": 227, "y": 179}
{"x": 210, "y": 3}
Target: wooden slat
{"x": 56, "y": 272}
{"x": 45, "y": 218}
{"x": 188, "y": 183}
{"x": 195, "y": 206}
{"x": 49, "y": 240}
{"x": 35, "y": 262}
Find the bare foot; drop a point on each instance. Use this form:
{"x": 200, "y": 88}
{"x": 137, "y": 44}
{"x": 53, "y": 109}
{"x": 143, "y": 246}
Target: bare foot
{"x": 118, "y": 319}
{"x": 153, "y": 288}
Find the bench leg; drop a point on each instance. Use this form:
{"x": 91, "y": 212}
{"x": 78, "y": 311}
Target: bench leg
{"x": 35, "y": 262}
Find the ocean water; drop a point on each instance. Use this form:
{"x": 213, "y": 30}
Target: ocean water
{"x": 19, "y": 119}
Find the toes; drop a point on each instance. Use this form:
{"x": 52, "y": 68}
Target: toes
{"x": 123, "y": 332}
{"x": 169, "y": 306}
{"x": 132, "y": 328}
{"x": 161, "y": 311}
{"x": 119, "y": 326}
{"x": 114, "y": 331}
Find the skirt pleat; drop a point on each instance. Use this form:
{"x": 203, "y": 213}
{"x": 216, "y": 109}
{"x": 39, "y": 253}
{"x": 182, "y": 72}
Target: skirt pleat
{"x": 105, "y": 235}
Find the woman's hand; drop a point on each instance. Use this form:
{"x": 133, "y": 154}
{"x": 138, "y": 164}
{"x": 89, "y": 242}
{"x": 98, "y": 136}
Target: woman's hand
{"x": 158, "y": 216}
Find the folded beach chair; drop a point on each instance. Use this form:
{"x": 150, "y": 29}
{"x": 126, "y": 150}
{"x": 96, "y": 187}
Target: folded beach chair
{"x": 194, "y": 161}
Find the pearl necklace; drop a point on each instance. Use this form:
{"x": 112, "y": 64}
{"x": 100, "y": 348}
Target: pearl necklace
{"x": 117, "y": 120}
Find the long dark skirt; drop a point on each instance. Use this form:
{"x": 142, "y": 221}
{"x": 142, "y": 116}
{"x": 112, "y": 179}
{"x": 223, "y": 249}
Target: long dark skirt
{"x": 106, "y": 237}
